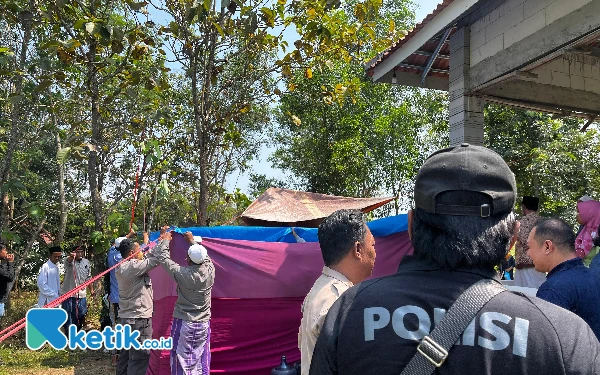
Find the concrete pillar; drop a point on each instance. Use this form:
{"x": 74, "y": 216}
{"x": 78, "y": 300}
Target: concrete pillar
{"x": 466, "y": 112}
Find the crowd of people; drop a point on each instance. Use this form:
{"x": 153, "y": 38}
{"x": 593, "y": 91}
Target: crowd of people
{"x": 462, "y": 229}
{"x": 131, "y": 302}
{"x": 129, "y": 296}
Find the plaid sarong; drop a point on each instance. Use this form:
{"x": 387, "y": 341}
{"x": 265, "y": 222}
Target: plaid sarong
{"x": 190, "y": 354}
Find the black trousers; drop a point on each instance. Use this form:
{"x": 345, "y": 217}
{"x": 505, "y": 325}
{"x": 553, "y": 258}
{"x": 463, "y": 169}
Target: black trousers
{"x": 133, "y": 361}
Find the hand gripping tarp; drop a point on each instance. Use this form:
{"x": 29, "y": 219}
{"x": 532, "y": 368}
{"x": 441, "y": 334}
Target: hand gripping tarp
{"x": 259, "y": 287}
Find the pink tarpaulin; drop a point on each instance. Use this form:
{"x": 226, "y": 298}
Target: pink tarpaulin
{"x": 259, "y": 287}
{"x": 248, "y": 335}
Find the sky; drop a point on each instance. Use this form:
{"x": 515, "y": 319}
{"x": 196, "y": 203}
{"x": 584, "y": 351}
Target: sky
{"x": 261, "y": 166}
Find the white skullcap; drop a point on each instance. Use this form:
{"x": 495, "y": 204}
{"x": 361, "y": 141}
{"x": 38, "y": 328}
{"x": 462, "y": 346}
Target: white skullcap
{"x": 118, "y": 241}
{"x": 197, "y": 253}
{"x": 197, "y": 239}
{"x": 585, "y": 198}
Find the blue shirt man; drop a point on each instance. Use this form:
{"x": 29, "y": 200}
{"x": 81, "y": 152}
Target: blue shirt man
{"x": 569, "y": 284}
{"x": 574, "y": 287}
{"x": 114, "y": 257}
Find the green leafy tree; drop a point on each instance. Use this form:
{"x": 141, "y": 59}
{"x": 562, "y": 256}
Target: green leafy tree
{"x": 338, "y": 133}
{"x": 550, "y": 157}
{"x": 364, "y": 145}
{"x": 229, "y": 51}
{"x": 103, "y": 52}
{"x": 259, "y": 183}
{"x": 18, "y": 88}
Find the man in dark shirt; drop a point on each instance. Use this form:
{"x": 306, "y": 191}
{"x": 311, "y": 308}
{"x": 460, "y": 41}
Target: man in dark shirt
{"x": 7, "y": 275}
{"x": 461, "y": 229}
{"x": 569, "y": 283}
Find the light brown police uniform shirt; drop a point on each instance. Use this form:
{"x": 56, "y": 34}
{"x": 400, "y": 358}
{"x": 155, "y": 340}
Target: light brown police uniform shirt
{"x": 135, "y": 286}
{"x": 325, "y": 291}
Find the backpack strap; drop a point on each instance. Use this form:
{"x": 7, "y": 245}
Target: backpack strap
{"x": 433, "y": 349}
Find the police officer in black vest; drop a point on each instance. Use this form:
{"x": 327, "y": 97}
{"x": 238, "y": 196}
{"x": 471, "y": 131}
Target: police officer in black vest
{"x": 461, "y": 228}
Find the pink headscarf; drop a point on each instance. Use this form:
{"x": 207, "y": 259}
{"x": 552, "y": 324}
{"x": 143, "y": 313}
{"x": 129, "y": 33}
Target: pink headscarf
{"x": 589, "y": 213}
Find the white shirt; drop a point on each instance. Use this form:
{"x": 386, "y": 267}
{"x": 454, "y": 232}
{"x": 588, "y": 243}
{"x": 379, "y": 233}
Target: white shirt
{"x": 48, "y": 282}
{"x": 325, "y": 291}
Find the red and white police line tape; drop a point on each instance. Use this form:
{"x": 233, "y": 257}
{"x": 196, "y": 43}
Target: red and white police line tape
{"x": 17, "y": 326}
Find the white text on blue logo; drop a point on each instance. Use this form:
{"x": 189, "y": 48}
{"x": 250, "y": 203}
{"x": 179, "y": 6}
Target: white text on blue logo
{"x": 121, "y": 338}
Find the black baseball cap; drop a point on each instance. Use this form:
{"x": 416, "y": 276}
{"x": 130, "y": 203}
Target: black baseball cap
{"x": 465, "y": 168}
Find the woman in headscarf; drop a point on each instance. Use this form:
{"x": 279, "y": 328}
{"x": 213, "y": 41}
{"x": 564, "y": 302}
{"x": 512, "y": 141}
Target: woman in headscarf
{"x": 596, "y": 249}
{"x": 588, "y": 214}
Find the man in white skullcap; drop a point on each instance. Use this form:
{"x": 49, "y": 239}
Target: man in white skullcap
{"x": 190, "y": 331}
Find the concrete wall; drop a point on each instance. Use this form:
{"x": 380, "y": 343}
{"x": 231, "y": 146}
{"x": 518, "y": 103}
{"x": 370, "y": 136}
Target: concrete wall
{"x": 513, "y": 21}
{"x": 572, "y": 70}
{"x": 466, "y": 112}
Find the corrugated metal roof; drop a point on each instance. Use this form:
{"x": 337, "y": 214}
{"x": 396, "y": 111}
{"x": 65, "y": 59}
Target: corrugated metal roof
{"x": 290, "y": 207}
{"x": 420, "y": 58}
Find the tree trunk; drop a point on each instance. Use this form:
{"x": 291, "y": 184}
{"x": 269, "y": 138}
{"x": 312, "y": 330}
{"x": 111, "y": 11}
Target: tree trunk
{"x": 25, "y": 253}
{"x": 93, "y": 90}
{"x": 396, "y": 194}
{"x": 536, "y": 185}
{"x": 26, "y": 19}
{"x": 11, "y": 208}
{"x": 197, "y": 208}
{"x": 203, "y": 199}
{"x": 204, "y": 114}
{"x": 62, "y": 218}
{"x": 200, "y": 144}
{"x": 4, "y": 209}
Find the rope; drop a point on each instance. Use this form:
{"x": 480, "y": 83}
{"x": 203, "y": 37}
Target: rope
{"x": 17, "y": 326}
{"x": 21, "y": 325}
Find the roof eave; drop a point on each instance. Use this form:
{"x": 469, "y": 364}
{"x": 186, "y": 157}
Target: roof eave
{"x": 441, "y": 21}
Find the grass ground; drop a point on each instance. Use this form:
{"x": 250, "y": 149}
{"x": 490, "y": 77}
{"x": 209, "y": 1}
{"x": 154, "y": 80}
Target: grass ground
{"x": 17, "y": 359}
{"x": 47, "y": 361}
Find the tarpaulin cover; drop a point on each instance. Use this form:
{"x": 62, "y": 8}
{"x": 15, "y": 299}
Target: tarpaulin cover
{"x": 379, "y": 228}
{"x": 259, "y": 287}
{"x": 290, "y": 207}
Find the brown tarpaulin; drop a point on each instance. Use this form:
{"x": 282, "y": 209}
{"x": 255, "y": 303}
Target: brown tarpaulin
{"x": 282, "y": 207}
